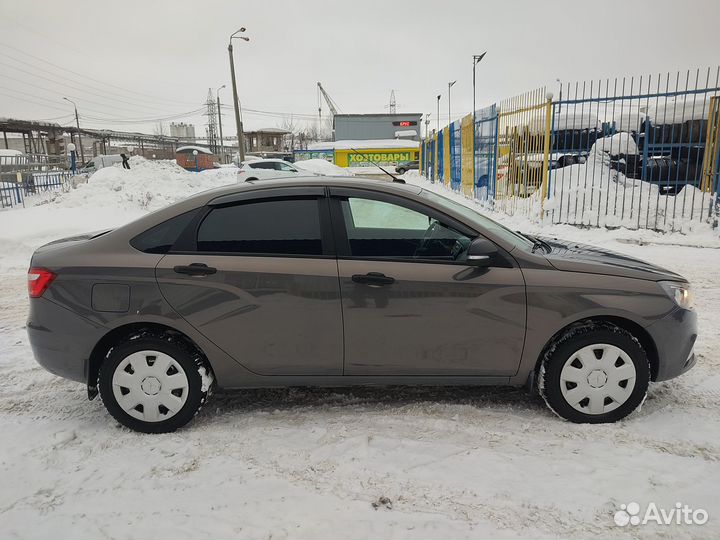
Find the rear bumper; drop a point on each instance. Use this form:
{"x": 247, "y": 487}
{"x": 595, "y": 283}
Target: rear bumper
{"x": 674, "y": 337}
{"x": 61, "y": 340}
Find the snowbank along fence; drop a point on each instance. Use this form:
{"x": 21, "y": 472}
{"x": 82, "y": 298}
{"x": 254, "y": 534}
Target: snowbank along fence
{"x": 639, "y": 152}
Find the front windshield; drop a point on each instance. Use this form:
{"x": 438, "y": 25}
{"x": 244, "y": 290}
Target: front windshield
{"x": 482, "y": 221}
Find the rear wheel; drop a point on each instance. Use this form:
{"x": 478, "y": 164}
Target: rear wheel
{"x": 154, "y": 383}
{"x": 595, "y": 373}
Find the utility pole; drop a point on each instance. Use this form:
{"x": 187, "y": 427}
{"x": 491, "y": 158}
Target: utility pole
{"x": 222, "y": 145}
{"x": 77, "y": 123}
{"x": 438, "y": 115}
{"x": 427, "y": 123}
{"x": 450, "y": 85}
{"x": 238, "y": 121}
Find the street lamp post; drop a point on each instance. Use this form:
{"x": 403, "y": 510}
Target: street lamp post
{"x": 450, "y": 85}
{"x": 437, "y": 120}
{"x": 77, "y": 123}
{"x": 238, "y": 121}
{"x": 222, "y": 146}
{"x": 560, "y": 98}
{"x": 476, "y": 61}
{"x": 197, "y": 167}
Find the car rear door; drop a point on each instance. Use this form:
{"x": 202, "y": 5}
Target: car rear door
{"x": 257, "y": 275}
{"x": 411, "y": 303}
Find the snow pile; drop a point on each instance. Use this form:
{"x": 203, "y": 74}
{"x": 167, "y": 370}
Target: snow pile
{"x": 678, "y": 111}
{"x": 320, "y": 166}
{"x": 148, "y": 185}
{"x": 614, "y": 145}
{"x": 357, "y": 144}
{"x": 566, "y": 118}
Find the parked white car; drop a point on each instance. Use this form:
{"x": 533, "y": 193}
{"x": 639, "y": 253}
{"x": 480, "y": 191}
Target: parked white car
{"x": 263, "y": 169}
{"x": 100, "y": 162}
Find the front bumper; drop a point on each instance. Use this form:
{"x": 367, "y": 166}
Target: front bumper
{"x": 60, "y": 339}
{"x": 674, "y": 337}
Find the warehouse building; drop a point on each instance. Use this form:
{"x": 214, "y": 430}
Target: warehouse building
{"x": 377, "y": 126}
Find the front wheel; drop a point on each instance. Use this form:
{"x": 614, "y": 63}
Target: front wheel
{"x": 595, "y": 373}
{"x": 154, "y": 383}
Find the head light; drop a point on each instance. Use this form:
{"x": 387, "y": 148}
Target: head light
{"x": 679, "y": 292}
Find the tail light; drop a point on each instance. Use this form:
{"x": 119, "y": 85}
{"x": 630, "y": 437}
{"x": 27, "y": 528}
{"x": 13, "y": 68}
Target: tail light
{"x": 39, "y": 279}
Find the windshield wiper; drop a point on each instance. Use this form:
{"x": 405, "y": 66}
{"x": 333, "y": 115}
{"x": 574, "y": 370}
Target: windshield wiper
{"x": 538, "y": 243}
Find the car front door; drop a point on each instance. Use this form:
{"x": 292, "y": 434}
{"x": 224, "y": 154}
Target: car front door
{"x": 412, "y": 305}
{"x": 258, "y": 277}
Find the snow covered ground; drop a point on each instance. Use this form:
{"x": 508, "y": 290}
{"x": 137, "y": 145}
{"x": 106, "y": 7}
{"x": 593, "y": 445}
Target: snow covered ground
{"x": 310, "y": 463}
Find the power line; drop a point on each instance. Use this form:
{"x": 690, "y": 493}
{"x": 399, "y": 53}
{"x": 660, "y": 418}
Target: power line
{"x": 84, "y": 99}
{"x": 78, "y": 89}
{"x": 85, "y": 116}
{"x": 86, "y": 77}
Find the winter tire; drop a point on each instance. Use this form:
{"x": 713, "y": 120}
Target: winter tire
{"x": 154, "y": 383}
{"x": 594, "y": 373}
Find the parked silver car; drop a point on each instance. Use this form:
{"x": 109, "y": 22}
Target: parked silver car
{"x": 337, "y": 281}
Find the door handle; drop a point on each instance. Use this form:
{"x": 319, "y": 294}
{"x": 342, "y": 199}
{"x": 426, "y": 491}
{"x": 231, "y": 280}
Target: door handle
{"x": 373, "y": 278}
{"x": 195, "y": 269}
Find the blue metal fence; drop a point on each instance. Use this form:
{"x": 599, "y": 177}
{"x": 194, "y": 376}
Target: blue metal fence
{"x": 486, "y": 125}
{"x": 31, "y": 183}
{"x": 455, "y": 155}
{"x": 639, "y": 152}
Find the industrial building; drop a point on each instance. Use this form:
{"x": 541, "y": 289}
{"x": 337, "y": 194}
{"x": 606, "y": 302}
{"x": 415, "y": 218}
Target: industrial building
{"x": 266, "y": 140}
{"x": 404, "y": 126}
{"x": 182, "y": 130}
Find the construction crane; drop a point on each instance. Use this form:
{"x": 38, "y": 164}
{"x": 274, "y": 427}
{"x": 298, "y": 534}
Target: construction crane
{"x": 330, "y": 102}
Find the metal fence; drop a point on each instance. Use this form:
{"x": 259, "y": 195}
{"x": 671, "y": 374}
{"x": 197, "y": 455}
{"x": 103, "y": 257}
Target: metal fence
{"x": 29, "y": 174}
{"x": 635, "y": 152}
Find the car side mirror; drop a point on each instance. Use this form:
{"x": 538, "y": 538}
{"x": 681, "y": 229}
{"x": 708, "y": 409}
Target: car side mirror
{"x": 482, "y": 252}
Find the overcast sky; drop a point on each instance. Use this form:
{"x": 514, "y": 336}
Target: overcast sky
{"x": 141, "y": 60}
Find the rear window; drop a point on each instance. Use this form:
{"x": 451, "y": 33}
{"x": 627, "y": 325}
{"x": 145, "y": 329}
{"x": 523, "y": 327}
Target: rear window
{"x": 161, "y": 238}
{"x": 262, "y": 165}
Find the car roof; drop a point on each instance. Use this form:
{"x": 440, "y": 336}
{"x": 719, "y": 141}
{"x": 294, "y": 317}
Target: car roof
{"x": 315, "y": 181}
{"x": 272, "y": 160}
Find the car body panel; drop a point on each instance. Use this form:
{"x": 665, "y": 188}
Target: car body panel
{"x": 275, "y": 316}
{"x": 576, "y": 257}
{"x": 436, "y": 319}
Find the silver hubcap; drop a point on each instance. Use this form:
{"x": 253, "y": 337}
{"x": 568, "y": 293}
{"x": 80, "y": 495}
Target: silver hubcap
{"x": 150, "y": 386}
{"x": 597, "y": 379}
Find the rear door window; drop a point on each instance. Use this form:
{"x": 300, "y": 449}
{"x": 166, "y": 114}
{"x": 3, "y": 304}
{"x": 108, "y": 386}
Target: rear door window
{"x": 160, "y": 238}
{"x": 268, "y": 227}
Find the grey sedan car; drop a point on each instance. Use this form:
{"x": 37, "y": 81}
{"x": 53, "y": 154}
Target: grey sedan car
{"x": 336, "y": 282}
